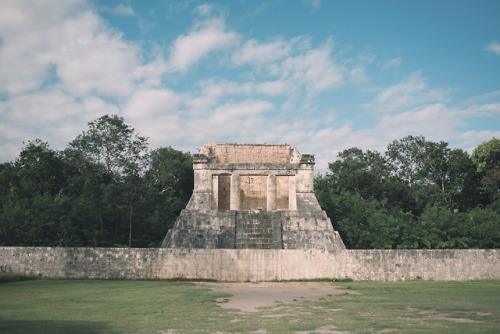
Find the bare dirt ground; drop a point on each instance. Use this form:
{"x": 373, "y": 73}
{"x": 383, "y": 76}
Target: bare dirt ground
{"x": 248, "y": 297}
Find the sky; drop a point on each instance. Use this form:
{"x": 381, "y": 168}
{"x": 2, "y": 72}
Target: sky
{"x": 323, "y": 76}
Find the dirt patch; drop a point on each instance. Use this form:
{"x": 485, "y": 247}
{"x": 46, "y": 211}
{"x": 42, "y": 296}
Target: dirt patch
{"x": 322, "y": 330}
{"x": 435, "y": 315}
{"x": 248, "y": 297}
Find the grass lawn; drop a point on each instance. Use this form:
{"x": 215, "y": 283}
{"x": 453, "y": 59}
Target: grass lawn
{"x": 101, "y": 306}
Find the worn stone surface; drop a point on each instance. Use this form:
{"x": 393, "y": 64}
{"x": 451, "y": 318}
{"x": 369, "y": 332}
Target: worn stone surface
{"x": 250, "y": 153}
{"x": 252, "y": 264}
{"x": 263, "y": 195}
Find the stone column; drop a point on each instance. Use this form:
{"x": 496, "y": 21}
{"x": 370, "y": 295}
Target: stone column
{"x": 292, "y": 193}
{"x": 271, "y": 193}
{"x": 234, "y": 200}
{"x": 215, "y": 192}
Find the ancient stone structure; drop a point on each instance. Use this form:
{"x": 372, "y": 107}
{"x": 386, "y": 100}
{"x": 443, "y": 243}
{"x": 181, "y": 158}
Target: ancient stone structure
{"x": 253, "y": 196}
{"x": 253, "y": 216}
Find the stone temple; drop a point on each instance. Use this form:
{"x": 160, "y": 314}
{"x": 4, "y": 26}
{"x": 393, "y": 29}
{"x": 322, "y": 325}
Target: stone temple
{"x": 253, "y": 196}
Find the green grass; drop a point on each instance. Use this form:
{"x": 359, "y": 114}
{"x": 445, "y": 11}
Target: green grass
{"x": 100, "y": 306}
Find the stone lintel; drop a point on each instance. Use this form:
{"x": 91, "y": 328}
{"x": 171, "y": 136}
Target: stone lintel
{"x": 264, "y": 166}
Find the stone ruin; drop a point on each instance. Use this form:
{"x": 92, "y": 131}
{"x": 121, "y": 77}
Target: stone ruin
{"x": 253, "y": 196}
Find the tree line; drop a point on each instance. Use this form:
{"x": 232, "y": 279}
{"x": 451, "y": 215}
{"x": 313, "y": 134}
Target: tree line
{"x": 107, "y": 189}
{"x": 419, "y": 194}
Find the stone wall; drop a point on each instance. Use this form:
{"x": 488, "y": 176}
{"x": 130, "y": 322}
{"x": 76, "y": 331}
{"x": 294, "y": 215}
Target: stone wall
{"x": 251, "y": 153}
{"x": 70, "y": 262}
{"x": 251, "y": 264}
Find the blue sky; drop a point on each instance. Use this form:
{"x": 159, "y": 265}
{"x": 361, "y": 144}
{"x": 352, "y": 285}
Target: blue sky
{"x": 321, "y": 75}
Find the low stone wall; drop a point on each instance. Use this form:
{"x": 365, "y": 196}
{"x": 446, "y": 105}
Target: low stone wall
{"x": 251, "y": 264}
{"x": 115, "y": 263}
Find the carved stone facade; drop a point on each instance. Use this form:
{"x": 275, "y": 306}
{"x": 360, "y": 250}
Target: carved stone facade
{"x": 257, "y": 196}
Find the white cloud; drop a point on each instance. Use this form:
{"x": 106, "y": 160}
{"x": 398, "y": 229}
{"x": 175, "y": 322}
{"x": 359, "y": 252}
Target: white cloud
{"x": 149, "y": 103}
{"x": 482, "y": 98}
{"x": 120, "y": 10}
{"x": 433, "y": 121}
{"x": 253, "y": 52}
{"x": 243, "y": 121}
{"x": 494, "y": 47}
{"x": 221, "y": 88}
{"x": 61, "y": 65}
{"x": 358, "y": 74}
{"x": 71, "y": 44}
{"x": 208, "y": 37}
{"x": 273, "y": 88}
{"x": 151, "y": 74}
{"x": 395, "y": 62}
{"x": 410, "y": 92}
{"x": 313, "y": 3}
{"x": 94, "y": 59}
{"x": 245, "y": 108}
{"x": 56, "y": 59}
{"x": 469, "y": 140}
{"x": 314, "y": 69}
{"x": 50, "y": 115}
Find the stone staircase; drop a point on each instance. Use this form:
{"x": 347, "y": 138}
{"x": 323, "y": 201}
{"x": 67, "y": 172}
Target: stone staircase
{"x": 257, "y": 230}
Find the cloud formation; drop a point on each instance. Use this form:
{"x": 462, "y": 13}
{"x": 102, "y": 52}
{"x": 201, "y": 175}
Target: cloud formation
{"x": 494, "y": 47}
{"x": 208, "y": 35}
{"x": 120, "y": 10}
{"x": 62, "y": 65}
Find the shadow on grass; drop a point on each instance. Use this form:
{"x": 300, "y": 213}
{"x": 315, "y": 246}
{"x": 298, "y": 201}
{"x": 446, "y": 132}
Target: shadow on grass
{"x": 50, "y": 326}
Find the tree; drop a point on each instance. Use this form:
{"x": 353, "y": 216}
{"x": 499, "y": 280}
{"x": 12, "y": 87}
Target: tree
{"x": 39, "y": 169}
{"x": 487, "y": 159}
{"x": 119, "y": 155}
{"x": 420, "y": 195}
{"x": 170, "y": 179}
{"x": 463, "y": 182}
{"x": 435, "y": 163}
{"x": 111, "y": 144}
{"x": 487, "y": 155}
{"x": 170, "y": 168}
{"x": 450, "y": 171}
{"x": 407, "y": 157}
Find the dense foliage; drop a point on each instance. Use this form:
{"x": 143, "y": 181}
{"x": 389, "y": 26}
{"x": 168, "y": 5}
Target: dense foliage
{"x": 105, "y": 189}
{"x": 419, "y": 194}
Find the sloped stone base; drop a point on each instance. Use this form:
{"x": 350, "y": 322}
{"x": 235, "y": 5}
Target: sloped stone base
{"x": 253, "y": 229}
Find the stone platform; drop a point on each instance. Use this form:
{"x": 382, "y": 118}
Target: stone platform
{"x": 253, "y": 196}
{"x": 253, "y": 229}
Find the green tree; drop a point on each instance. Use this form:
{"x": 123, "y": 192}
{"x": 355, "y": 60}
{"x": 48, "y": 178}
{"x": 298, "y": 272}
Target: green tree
{"x": 463, "y": 181}
{"x": 40, "y": 170}
{"x": 415, "y": 197}
{"x": 367, "y": 173}
{"x": 448, "y": 176}
{"x": 444, "y": 228}
{"x": 170, "y": 168}
{"x": 436, "y": 163}
{"x": 483, "y": 227}
{"x": 120, "y": 156}
{"x": 407, "y": 157}
{"x": 486, "y": 156}
{"x": 171, "y": 179}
